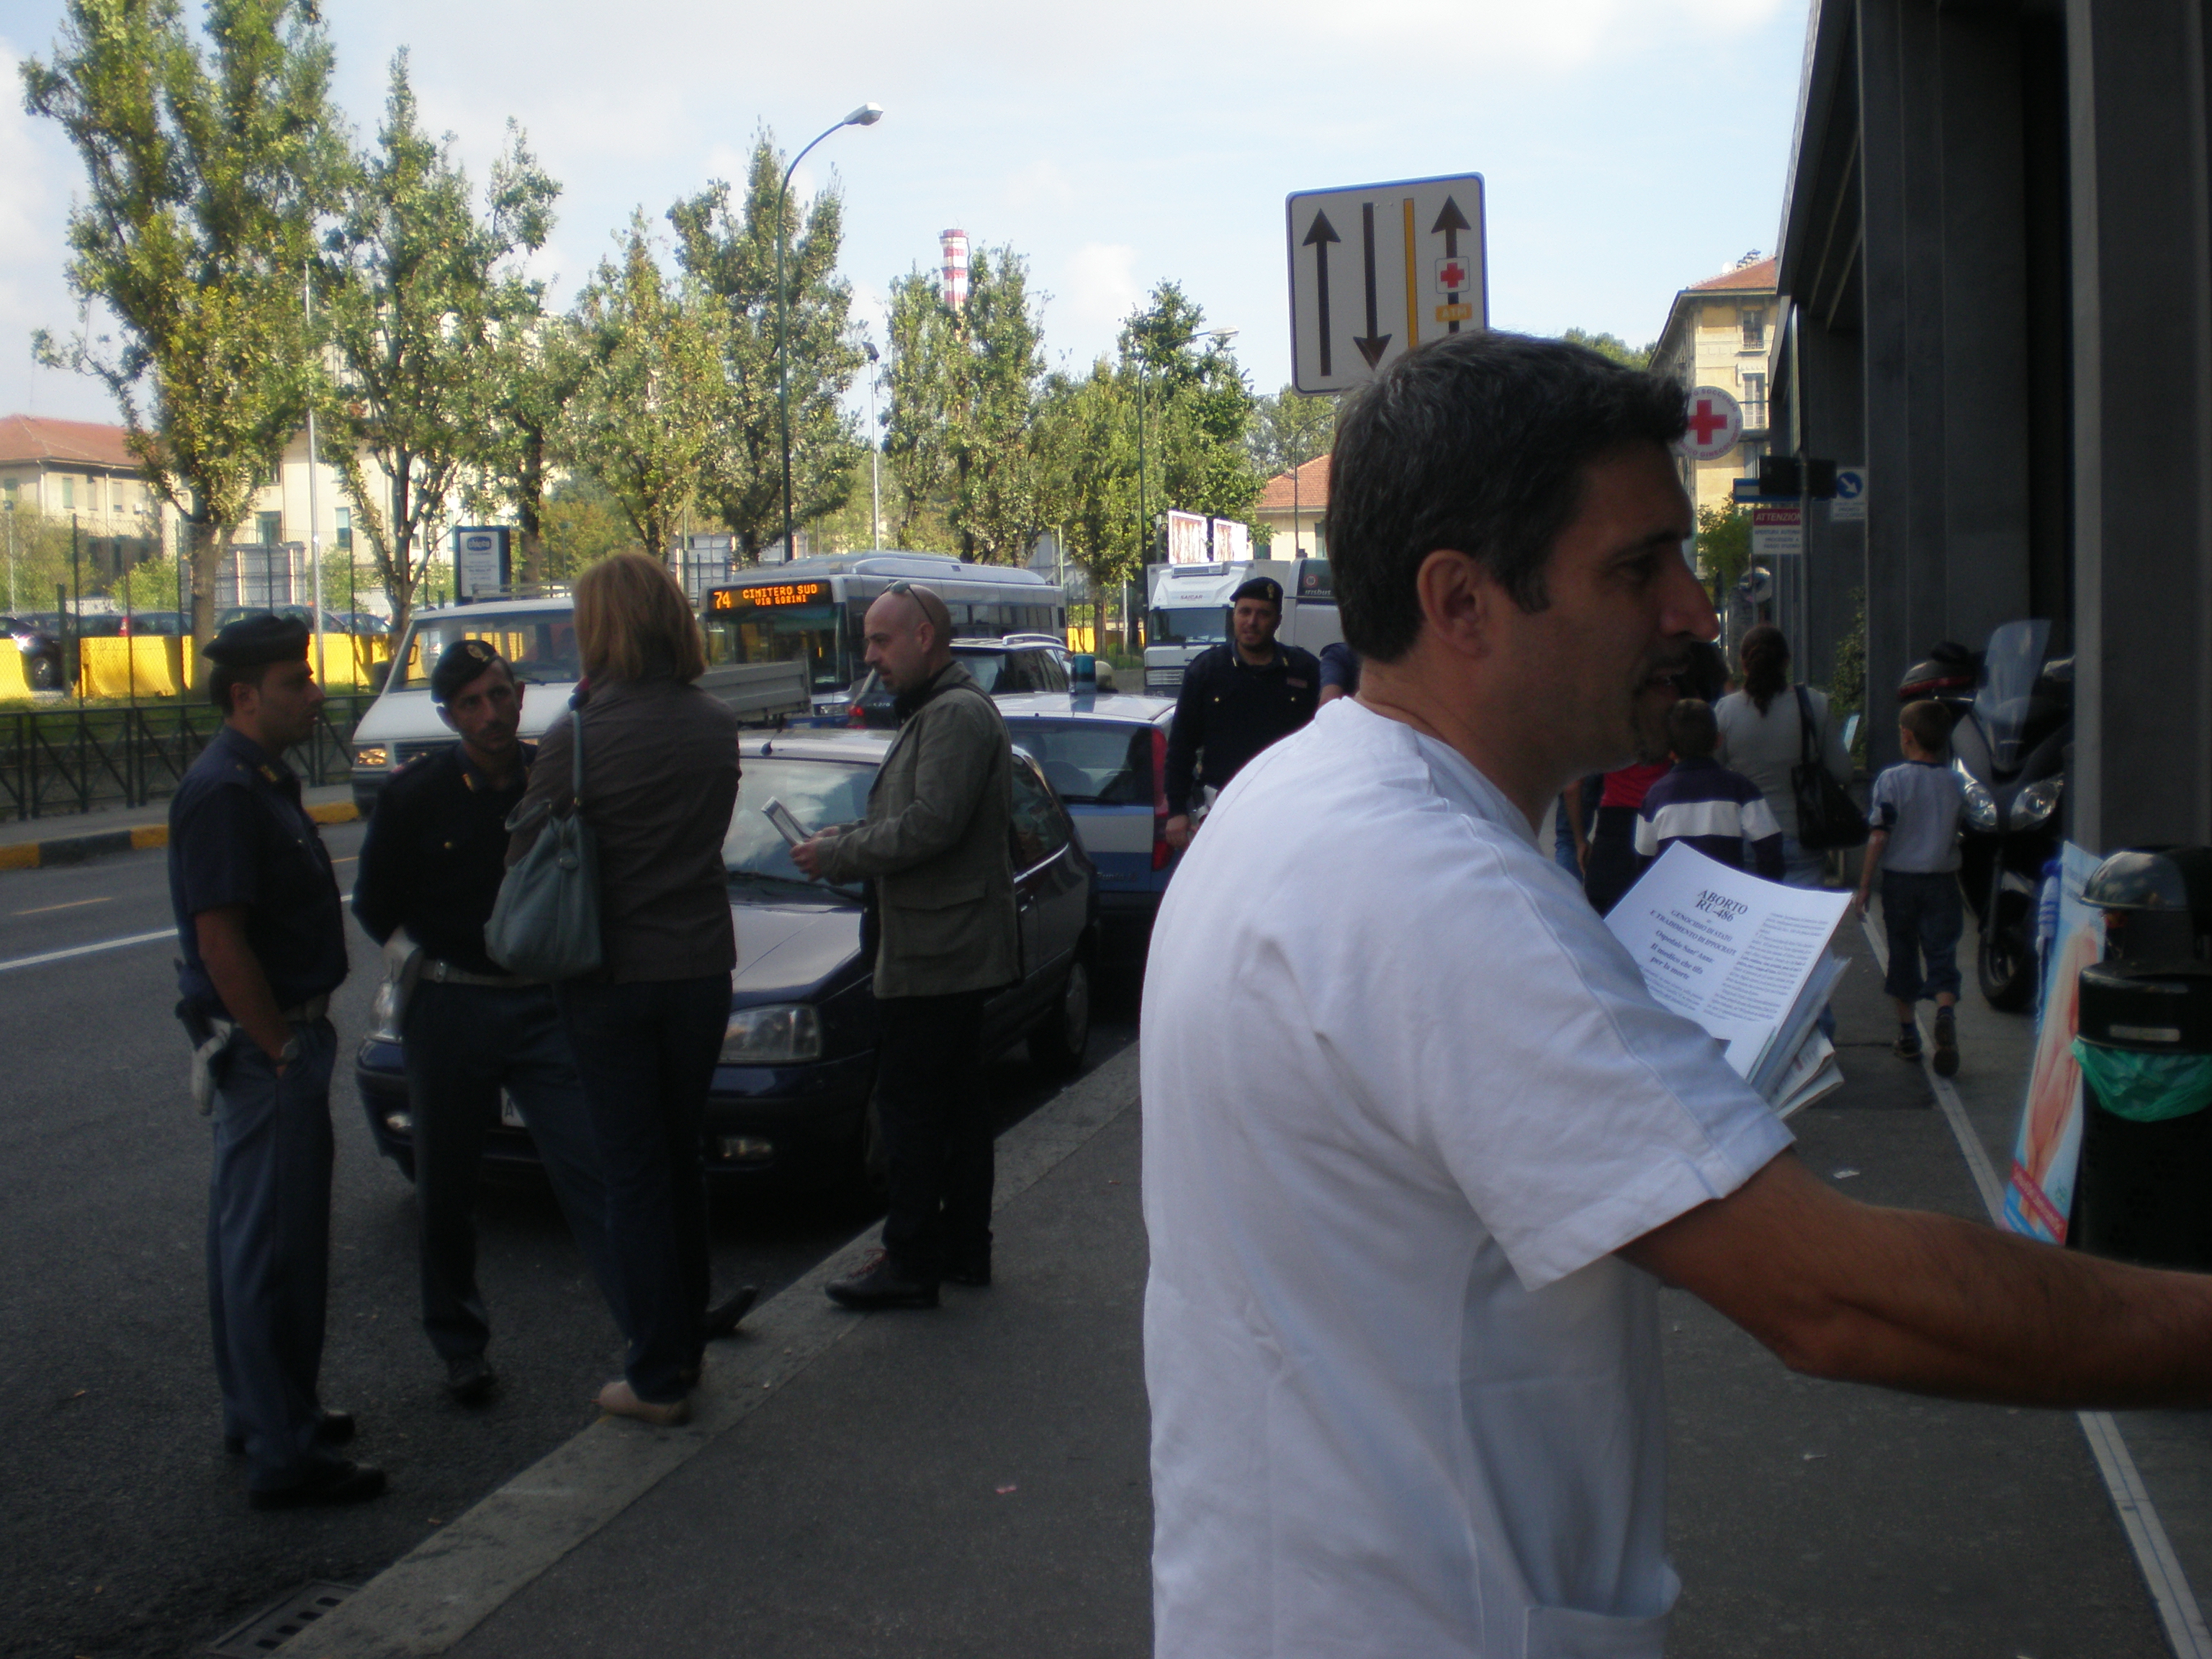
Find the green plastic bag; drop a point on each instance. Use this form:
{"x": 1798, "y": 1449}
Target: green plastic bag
{"x": 2145, "y": 1088}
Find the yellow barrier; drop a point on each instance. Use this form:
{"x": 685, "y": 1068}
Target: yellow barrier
{"x": 153, "y": 665}
{"x": 1082, "y": 638}
{"x": 12, "y": 681}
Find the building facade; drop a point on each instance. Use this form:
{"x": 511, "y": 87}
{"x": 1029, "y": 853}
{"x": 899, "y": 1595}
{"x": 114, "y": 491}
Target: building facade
{"x": 1720, "y": 332}
{"x": 1291, "y": 509}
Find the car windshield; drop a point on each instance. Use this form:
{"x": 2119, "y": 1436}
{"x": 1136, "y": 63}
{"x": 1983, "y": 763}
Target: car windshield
{"x": 817, "y": 793}
{"x": 1185, "y": 625}
{"x": 540, "y": 645}
{"x": 1091, "y": 762}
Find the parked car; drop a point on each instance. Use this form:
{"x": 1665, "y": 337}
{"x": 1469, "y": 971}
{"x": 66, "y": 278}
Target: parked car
{"x": 791, "y": 1098}
{"x": 166, "y": 625}
{"x": 1032, "y": 662}
{"x": 332, "y": 622}
{"x": 365, "y": 623}
{"x": 1107, "y": 757}
{"x": 40, "y": 650}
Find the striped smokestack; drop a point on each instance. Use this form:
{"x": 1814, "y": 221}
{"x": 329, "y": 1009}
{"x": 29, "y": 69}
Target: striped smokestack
{"x": 955, "y": 290}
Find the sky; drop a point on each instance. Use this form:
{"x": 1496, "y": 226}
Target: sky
{"x": 1629, "y": 148}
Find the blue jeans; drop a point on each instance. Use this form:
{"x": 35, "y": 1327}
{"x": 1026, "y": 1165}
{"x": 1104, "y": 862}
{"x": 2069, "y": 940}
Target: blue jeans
{"x": 464, "y": 1042}
{"x": 269, "y": 1251}
{"x": 1803, "y": 867}
{"x": 1923, "y": 916}
{"x": 646, "y": 1050}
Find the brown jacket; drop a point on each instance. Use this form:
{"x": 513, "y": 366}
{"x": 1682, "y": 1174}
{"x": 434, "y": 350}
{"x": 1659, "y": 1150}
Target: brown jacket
{"x": 937, "y": 841}
{"x": 660, "y": 778}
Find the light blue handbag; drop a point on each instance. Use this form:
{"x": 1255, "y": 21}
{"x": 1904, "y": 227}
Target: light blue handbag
{"x": 545, "y": 924}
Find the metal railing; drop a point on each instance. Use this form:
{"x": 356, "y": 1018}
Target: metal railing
{"x": 54, "y": 761}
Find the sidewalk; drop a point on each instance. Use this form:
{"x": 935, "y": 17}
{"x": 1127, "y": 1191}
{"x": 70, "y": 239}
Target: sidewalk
{"x": 974, "y": 1482}
{"x": 32, "y": 843}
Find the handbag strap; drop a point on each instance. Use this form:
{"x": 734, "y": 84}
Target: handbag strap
{"x": 576, "y": 751}
{"x": 1808, "y": 745}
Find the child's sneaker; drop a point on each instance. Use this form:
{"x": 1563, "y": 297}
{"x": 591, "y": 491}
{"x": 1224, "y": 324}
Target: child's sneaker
{"x": 1907, "y": 1046}
{"x": 1947, "y": 1043}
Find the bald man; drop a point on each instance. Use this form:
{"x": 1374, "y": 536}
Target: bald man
{"x": 936, "y": 845}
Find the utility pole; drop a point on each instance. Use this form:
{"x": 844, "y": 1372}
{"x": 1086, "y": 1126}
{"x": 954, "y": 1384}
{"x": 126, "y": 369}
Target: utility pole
{"x": 314, "y": 516}
{"x": 875, "y": 456}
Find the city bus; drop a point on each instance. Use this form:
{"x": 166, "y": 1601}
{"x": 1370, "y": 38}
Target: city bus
{"x": 811, "y": 609}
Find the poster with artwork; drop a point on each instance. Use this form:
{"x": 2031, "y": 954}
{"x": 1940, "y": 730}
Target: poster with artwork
{"x": 2047, "y": 1152}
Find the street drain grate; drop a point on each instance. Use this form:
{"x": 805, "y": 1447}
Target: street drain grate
{"x": 283, "y": 1620}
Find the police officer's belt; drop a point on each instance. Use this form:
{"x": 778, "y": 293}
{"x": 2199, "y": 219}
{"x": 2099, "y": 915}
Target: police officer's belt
{"x": 445, "y": 973}
{"x": 308, "y": 1013}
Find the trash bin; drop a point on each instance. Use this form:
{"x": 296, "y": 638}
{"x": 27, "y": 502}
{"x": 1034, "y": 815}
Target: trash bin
{"x": 2144, "y": 1041}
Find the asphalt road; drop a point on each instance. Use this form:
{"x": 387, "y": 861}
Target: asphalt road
{"x": 125, "y": 1528}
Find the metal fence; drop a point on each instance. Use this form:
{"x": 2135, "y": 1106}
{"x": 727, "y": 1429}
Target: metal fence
{"x": 57, "y": 761}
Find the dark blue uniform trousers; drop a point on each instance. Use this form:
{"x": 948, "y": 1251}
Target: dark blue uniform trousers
{"x": 464, "y": 1041}
{"x": 269, "y": 1251}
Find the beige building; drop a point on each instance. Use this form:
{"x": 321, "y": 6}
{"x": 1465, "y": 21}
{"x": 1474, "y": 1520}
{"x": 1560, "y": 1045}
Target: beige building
{"x": 1291, "y": 506}
{"x": 1719, "y": 333}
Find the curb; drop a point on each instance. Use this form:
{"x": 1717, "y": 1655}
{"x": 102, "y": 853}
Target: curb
{"x": 75, "y": 849}
{"x": 433, "y": 1596}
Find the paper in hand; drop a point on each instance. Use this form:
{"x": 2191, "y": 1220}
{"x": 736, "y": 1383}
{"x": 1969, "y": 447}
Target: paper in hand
{"x": 788, "y": 827}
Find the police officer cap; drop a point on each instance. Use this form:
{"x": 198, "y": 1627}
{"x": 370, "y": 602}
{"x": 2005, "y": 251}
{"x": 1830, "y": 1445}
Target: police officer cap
{"x": 457, "y": 664}
{"x": 1261, "y": 587}
{"x": 252, "y": 641}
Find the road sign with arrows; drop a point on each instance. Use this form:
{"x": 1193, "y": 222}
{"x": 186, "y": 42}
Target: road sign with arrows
{"x": 1376, "y": 270}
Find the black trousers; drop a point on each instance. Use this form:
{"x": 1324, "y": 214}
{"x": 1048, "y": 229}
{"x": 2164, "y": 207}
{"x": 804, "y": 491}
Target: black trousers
{"x": 937, "y": 1131}
{"x": 1613, "y": 865}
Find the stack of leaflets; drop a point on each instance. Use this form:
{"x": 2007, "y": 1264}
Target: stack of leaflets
{"x": 1747, "y": 958}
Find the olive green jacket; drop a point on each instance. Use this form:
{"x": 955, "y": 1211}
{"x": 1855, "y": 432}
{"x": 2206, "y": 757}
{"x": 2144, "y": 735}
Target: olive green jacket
{"x": 938, "y": 843}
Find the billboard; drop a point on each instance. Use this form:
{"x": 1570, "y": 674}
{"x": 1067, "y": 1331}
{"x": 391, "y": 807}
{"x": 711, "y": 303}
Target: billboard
{"x": 480, "y": 562}
{"x": 1186, "y": 538}
{"x": 1232, "y": 541}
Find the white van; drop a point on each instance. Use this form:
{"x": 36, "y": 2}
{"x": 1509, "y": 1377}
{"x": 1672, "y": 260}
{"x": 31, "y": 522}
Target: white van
{"x": 537, "y": 637}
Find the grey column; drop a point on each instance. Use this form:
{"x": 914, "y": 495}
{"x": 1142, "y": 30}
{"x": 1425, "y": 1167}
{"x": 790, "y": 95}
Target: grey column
{"x": 1831, "y": 389}
{"x": 2143, "y": 422}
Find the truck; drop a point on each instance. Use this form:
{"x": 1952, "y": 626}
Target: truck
{"x": 1188, "y": 605}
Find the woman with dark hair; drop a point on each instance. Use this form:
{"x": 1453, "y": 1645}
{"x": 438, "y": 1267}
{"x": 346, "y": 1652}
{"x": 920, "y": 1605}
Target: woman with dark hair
{"x": 1762, "y": 730}
{"x": 661, "y": 777}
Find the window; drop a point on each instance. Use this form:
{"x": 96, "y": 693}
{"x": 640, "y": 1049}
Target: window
{"x": 1753, "y": 320}
{"x": 1091, "y": 762}
{"x": 1039, "y": 828}
{"x": 271, "y": 528}
{"x": 343, "y": 540}
{"x": 1754, "y": 401}
{"x": 69, "y": 492}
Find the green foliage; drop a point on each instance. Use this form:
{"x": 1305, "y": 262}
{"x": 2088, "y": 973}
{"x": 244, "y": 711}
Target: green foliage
{"x": 1088, "y": 438}
{"x": 1289, "y": 429}
{"x": 419, "y": 288}
{"x": 1847, "y": 673}
{"x": 643, "y": 419}
{"x": 1613, "y": 346}
{"x": 1723, "y": 546}
{"x": 728, "y": 250}
{"x": 37, "y": 546}
{"x": 583, "y": 524}
{"x": 1195, "y": 408}
{"x": 964, "y": 436}
{"x": 204, "y": 175}
{"x": 151, "y": 585}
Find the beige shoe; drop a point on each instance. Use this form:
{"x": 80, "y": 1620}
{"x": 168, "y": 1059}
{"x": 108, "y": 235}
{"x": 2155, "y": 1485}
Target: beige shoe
{"x": 618, "y": 1399}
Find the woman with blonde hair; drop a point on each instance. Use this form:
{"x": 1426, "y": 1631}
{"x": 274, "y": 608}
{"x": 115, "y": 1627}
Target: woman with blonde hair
{"x": 661, "y": 777}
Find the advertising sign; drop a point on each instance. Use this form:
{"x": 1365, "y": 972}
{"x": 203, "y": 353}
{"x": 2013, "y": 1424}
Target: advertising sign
{"x": 2047, "y": 1152}
{"x": 1776, "y": 530}
{"x": 480, "y": 564}
{"x": 1186, "y": 538}
{"x": 1232, "y": 541}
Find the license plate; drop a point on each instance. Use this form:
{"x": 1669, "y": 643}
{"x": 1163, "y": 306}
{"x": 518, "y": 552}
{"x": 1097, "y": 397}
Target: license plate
{"x": 510, "y": 1115}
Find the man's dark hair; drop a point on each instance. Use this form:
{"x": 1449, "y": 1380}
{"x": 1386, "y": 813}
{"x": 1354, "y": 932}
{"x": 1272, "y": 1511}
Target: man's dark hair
{"x": 1692, "y": 731}
{"x": 1477, "y": 442}
{"x": 223, "y": 678}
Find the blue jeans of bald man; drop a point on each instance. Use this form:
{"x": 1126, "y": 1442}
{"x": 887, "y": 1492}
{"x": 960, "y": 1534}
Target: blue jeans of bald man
{"x": 269, "y": 1251}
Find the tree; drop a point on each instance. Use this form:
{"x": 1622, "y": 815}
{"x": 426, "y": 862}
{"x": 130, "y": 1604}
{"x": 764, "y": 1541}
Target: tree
{"x": 1195, "y": 409}
{"x": 204, "y": 179}
{"x": 1613, "y": 346}
{"x": 1289, "y": 429}
{"x": 583, "y": 524}
{"x": 1723, "y": 546}
{"x": 642, "y": 422}
{"x": 729, "y": 252}
{"x": 420, "y": 290}
{"x": 1088, "y": 441}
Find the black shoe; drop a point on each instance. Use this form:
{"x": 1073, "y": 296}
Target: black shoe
{"x": 722, "y": 1317}
{"x": 882, "y": 1283}
{"x": 470, "y": 1379}
{"x": 341, "y": 1483}
{"x": 974, "y": 1273}
{"x": 1947, "y": 1043}
{"x": 337, "y": 1429}
{"x": 1907, "y": 1046}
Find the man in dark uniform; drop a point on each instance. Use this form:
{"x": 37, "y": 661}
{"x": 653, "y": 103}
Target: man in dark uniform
{"x": 1235, "y": 700}
{"x": 263, "y": 943}
{"x": 431, "y": 866}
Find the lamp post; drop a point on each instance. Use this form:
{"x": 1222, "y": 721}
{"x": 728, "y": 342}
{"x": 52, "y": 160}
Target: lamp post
{"x": 875, "y": 454}
{"x": 866, "y": 116}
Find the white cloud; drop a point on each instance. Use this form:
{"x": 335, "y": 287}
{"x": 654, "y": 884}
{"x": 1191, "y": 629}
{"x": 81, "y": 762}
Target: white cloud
{"x": 1100, "y": 285}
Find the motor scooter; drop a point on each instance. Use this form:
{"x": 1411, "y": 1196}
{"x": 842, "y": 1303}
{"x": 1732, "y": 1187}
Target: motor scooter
{"x": 2009, "y": 745}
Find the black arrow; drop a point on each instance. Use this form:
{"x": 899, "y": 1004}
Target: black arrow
{"x": 1318, "y": 240}
{"x": 1375, "y": 344}
{"x": 1452, "y": 221}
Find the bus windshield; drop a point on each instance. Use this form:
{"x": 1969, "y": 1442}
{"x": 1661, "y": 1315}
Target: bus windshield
{"x": 1185, "y": 625}
{"x": 540, "y": 646}
{"x": 810, "y": 633}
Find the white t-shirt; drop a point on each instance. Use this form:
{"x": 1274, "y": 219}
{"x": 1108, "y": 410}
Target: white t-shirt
{"x": 1404, "y": 1095}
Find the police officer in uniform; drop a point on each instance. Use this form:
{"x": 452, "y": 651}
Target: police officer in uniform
{"x": 263, "y": 942}
{"x": 1235, "y": 700}
{"x": 431, "y": 864}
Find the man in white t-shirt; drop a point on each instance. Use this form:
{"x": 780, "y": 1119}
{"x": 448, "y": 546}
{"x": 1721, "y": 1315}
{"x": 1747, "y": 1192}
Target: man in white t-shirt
{"x": 1400, "y": 1329}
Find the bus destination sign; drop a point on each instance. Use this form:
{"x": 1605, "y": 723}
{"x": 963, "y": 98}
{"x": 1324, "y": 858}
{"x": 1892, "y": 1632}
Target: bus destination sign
{"x": 769, "y": 596}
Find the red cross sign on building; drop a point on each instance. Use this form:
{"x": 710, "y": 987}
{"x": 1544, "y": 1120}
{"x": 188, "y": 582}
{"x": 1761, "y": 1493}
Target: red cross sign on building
{"x": 1715, "y": 424}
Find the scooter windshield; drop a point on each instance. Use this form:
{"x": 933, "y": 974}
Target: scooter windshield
{"x": 2011, "y": 669}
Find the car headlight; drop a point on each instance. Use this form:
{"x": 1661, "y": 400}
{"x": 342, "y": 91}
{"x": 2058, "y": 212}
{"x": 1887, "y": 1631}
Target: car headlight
{"x": 384, "y": 1014}
{"x": 373, "y": 754}
{"x": 781, "y": 1034}
{"x": 1981, "y": 806}
{"x": 2037, "y": 802}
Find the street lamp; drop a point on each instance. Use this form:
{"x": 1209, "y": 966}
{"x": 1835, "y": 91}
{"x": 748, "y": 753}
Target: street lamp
{"x": 866, "y": 116}
{"x": 875, "y": 453}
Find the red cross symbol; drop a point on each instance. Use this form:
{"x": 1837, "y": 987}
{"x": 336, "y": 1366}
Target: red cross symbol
{"x": 1706, "y": 421}
{"x": 1454, "y": 275}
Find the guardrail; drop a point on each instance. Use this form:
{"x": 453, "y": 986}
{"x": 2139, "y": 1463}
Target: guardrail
{"x": 55, "y": 761}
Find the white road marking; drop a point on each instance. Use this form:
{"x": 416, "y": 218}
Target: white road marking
{"x": 88, "y": 950}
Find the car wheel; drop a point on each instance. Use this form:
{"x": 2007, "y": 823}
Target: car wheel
{"x": 1058, "y": 1043}
{"x": 45, "y": 673}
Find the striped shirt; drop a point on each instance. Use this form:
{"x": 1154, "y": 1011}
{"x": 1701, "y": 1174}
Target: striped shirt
{"x": 1716, "y": 810}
